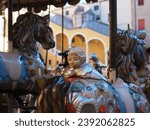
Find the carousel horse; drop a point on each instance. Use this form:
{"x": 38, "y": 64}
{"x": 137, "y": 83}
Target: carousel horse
{"x": 132, "y": 70}
{"x": 81, "y": 88}
{"x": 22, "y": 70}
{"x": 133, "y": 66}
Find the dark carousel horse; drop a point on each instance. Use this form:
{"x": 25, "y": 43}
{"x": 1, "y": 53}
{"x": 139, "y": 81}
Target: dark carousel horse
{"x": 22, "y": 71}
{"x": 132, "y": 70}
{"x": 90, "y": 95}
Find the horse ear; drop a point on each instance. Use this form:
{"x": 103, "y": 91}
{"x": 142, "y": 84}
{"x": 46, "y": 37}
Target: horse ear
{"x": 142, "y": 35}
{"x": 46, "y": 18}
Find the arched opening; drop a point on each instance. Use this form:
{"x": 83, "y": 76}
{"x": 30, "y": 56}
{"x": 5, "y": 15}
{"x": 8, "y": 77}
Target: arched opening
{"x": 97, "y": 47}
{"x": 59, "y": 42}
{"x": 79, "y": 41}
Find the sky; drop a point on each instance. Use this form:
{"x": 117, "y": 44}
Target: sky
{"x": 82, "y": 1}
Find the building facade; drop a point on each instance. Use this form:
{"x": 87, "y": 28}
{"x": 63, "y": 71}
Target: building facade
{"x": 87, "y": 26}
{"x": 141, "y": 18}
{"x": 82, "y": 27}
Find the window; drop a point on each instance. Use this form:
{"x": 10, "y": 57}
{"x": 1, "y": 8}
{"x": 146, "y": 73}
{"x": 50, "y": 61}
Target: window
{"x": 141, "y": 24}
{"x": 96, "y": 7}
{"x": 49, "y": 61}
{"x": 97, "y": 18}
{"x": 67, "y": 12}
{"x": 140, "y": 2}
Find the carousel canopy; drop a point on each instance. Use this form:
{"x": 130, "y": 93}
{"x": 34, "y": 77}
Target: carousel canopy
{"x": 38, "y": 5}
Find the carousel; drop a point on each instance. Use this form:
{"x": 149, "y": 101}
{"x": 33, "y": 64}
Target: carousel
{"x": 77, "y": 87}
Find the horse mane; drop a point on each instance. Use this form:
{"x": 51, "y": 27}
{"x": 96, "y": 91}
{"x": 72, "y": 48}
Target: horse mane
{"x": 23, "y": 32}
{"x": 130, "y": 55}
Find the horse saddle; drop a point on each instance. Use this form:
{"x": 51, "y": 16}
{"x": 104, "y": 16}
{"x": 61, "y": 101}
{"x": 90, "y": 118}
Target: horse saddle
{"x": 92, "y": 96}
{"x": 11, "y": 62}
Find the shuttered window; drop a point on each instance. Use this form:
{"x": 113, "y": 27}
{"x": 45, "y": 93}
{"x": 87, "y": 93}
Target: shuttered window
{"x": 141, "y": 24}
{"x": 140, "y": 2}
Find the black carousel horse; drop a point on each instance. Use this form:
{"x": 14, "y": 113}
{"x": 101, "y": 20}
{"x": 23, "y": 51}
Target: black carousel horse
{"x": 22, "y": 71}
{"x": 78, "y": 94}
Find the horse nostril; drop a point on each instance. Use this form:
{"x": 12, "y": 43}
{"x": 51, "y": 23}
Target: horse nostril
{"x": 52, "y": 44}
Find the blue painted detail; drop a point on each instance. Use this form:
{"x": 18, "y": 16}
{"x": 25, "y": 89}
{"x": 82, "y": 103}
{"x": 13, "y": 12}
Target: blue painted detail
{"x": 77, "y": 87}
{"x": 132, "y": 73}
{"x": 135, "y": 103}
{"x": 122, "y": 105}
{"x": 117, "y": 98}
{"x": 135, "y": 96}
{"x": 3, "y": 70}
{"x": 24, "y": 68}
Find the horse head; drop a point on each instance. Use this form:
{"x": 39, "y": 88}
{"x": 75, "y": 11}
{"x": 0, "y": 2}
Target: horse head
{"x": 130, "y": 56}
{"x": 29, "y": 29}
